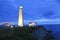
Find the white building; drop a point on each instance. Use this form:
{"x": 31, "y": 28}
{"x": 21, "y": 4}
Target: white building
{"x": 32, "y": 24}
{"x": 6, "y": 24}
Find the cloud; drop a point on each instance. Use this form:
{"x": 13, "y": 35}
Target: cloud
{"x": 44, "y": 21}
{"x": 48, "y": 14}
{"x": 27, "y": 20}
{"x": 38, "y": 20}
{"x": 13, "y": 23}
{"x": 47, "y": 20}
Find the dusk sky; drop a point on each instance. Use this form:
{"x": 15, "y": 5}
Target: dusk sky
{"x": 40, "y": 11}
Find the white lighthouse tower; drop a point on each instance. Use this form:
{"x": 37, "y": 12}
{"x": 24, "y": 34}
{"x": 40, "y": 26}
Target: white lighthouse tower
{"x": 20, "y": 19}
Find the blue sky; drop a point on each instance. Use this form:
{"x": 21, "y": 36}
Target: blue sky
{"x": 40, "y": 11}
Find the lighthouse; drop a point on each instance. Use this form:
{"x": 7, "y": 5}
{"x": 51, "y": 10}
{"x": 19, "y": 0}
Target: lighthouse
{"x": 20, "y": 18}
